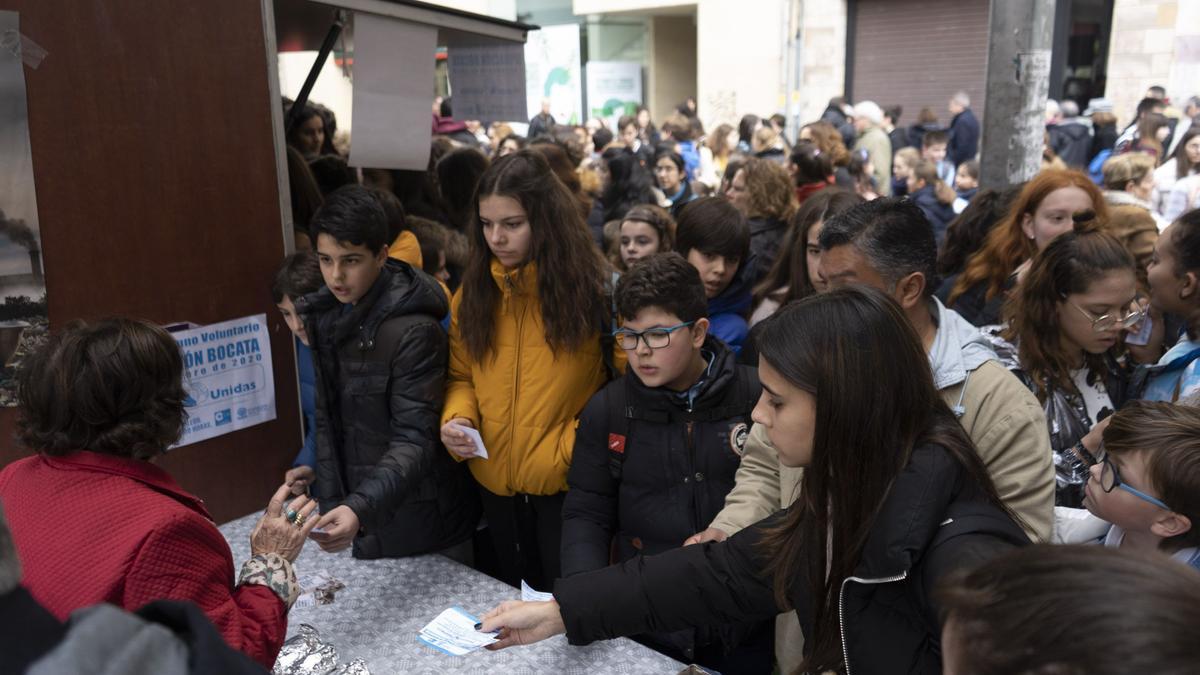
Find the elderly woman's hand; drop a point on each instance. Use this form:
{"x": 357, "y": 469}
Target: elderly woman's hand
{"x": 277, "y": 533}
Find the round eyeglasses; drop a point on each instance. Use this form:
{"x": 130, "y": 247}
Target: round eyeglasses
{"x": 655, "y": 338}
{"x": 1110, "y": 479}
{"x": 1106, "y": 322}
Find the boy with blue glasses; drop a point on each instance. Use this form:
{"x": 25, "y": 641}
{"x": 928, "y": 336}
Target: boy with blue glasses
{"x": 1147, "y": 480}
{"x": 657, "y": 449}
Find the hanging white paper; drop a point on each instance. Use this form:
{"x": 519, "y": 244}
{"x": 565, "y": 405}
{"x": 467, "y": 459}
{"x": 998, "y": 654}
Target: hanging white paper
{"x": 393, "y": 93}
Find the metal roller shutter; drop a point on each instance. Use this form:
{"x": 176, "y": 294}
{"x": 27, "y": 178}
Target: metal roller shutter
{"x": 918, "y": 53}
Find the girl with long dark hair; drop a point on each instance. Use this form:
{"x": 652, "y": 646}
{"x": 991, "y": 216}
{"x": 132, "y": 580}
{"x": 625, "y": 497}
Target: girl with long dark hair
{"x": 626, "y": 183}
{"x": 794, "y": 274}
{"x": 526, "y": 354}
{"x": 894, "y": 497}
{"x": 1063, "y": 339}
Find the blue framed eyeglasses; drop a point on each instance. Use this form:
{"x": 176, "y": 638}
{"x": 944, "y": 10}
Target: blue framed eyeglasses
{"x": 1110, "y": 479}
{"x": 655, "y": 338}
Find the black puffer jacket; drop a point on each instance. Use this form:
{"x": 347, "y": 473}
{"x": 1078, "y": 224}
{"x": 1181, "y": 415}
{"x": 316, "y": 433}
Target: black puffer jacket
{"x": 935, "y": 519}
{"x": 838, "y": 119}
{"x": 670, "y": 481}
{"x": 678, "y": 464}
{"x": 766, "y": 234}
{"x": 1072, "y": 142}
{"x": 938, "y": 213}
{"x": 380, "y": 369}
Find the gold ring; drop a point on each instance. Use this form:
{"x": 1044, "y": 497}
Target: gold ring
{"x": 299, "y": 521}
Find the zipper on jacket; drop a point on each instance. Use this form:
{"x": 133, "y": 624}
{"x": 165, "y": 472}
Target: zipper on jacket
{"x": 516, "y": 380}
{"x": 696, "y": 477}
{"x": 842, "y": 608}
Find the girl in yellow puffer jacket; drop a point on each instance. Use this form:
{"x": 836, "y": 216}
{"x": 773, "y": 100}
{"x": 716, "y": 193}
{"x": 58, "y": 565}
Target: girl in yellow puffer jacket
{"x": 526, "y": 354}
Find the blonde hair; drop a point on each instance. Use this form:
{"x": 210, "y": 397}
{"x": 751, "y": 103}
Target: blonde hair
{"x": 910, "y": 156}
{"x": 1131, "y": 166}
{"x": 1136, "y": 229}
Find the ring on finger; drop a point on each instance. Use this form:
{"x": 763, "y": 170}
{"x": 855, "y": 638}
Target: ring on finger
{"x": 290, "y": 515}
{"x": 299, "y": 520}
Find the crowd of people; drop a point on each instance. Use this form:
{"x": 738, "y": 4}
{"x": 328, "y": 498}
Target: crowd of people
{"x": 812, "y": 404}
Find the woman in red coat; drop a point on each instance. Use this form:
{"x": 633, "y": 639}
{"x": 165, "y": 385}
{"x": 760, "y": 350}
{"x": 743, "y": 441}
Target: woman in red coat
{"x": 94, "y": 520}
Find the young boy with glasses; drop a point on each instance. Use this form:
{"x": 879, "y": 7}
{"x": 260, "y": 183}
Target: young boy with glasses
{"x": 1146, "y": 482}
{"x": 657, "y": 449}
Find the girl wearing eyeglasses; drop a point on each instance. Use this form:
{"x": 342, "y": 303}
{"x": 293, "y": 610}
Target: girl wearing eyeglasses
{"x": 1064, "y": 339}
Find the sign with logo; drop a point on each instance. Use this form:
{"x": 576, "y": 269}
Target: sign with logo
{"x": 614, "y": 88}
{"x": 228, "y": 377}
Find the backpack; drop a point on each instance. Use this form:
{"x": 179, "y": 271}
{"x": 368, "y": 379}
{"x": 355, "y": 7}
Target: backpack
{"x": 738, "y": 402}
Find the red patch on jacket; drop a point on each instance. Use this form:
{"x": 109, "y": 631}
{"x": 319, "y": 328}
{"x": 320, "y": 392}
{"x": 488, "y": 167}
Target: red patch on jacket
{"x": 616, "y": 443}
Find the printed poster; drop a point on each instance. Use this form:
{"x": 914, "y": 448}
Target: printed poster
{"x": 614, "y": 88}
{"x": 552, "y": 73}
{"x": 487, "y": 80}
{"x": 228, "y": 377}
{"x": 23, "y": 321}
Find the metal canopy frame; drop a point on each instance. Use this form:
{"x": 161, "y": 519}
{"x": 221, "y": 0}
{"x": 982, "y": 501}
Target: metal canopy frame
{"x": 439, "y": 16}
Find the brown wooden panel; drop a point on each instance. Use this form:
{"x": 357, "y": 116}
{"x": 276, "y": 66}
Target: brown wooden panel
{"x": 918, "y": 53}
{"x": 150, "y": 123}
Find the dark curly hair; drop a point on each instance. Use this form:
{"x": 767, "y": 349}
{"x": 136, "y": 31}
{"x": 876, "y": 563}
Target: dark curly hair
{"x": 113, "y": 386}
{"x": 665, "y": 281}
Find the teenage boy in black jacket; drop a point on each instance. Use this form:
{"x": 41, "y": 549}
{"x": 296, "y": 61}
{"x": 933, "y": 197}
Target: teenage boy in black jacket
{"x": 657, "y": 449}
{"x": 383, "y": 481}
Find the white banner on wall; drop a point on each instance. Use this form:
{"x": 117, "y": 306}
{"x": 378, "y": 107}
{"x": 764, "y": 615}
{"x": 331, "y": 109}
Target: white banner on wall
{"x": 552, "y": 72}
{"x": 228, "y": 377}
{"x": 614, "y": 88}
